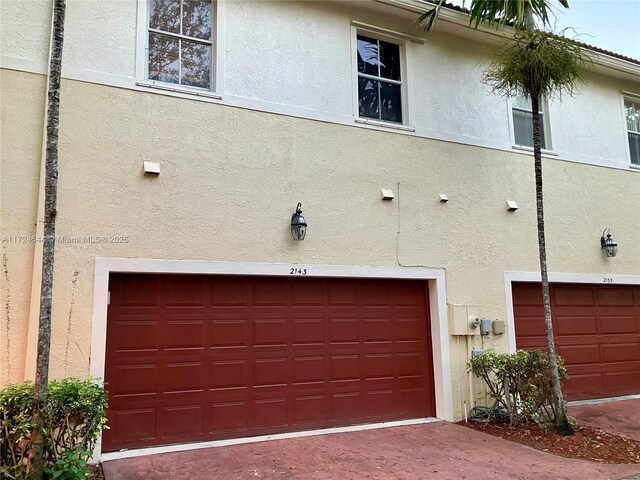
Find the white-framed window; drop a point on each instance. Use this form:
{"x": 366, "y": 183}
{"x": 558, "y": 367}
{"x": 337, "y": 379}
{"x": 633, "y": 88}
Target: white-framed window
{"x": 522, "y": 122}
{"x": 180, "y": 42}
{"x": 632, "y": 116}
{"x": 381, "y": 79}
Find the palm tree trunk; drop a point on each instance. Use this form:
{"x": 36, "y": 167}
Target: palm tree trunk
{"x": 562, "y": 424}
{"x": 50, "y": 198}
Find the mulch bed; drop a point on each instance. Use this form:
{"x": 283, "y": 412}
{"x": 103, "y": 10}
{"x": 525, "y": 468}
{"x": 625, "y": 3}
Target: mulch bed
{"x": 98, "y": 474}
{"x": 588, "y": 443}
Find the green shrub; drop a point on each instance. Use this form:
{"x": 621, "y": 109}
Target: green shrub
{"x": 519, "y": 383}
{"x": 74, "y": 416}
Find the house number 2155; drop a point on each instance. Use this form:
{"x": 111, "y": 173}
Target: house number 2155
{"x": 297, "y": 271}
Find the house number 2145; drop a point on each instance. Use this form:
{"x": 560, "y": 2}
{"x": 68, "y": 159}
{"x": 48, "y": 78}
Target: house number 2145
{"x": 297, "y": 271}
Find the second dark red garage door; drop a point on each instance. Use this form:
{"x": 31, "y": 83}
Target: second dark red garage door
{"x": 195, "y": 358}
{"x": 597, "y": 332}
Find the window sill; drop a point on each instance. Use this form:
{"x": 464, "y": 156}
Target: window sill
{"x": 376, "y": 123}
{"x": 178, "y": 89}
{"x": 530, "y": 149}
{"x": 633, "y": 166}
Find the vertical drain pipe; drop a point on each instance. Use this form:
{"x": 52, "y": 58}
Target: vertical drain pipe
{"x": 36, "y": 271}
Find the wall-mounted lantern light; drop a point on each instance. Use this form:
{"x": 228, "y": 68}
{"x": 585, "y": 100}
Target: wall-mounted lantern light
{"x": 298, "y": 224}
{"x": 608, "y": 244}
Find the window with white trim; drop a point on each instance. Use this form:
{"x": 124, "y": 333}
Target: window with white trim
{"x": 180, "y": 42}
{"x": 632, "y": 115}
{"x": 523, "y": 122}
{"x": 380, "y": 79}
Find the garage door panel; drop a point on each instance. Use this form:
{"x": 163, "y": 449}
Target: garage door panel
{"x": 133, "y": 424}
{"x": 616, "y": 297}
{"x": 309, "y": 369}
{"x": 309, "y": 293}
{"x": 575, "y": 325}
{"x": 573, "y": 296}
{"x": 135, "y": 336}
{"x": 342, "y": 293}
{"x": 621, "y": 352}
{"x": 344, "y": 368}
{"x": 187, "y": 291}
{"x": 225, "y": 357}
{"x": 344, "y": 330}
{"x": 184, "y": 334}
{"x": 182, "y": 420}
{"x": 309, "y": 410}
{"x": 270, "y": 372}
{"x": 346, "y": 405}
{"x": 579, "y": 354}
{"x": 229, "y": 374}
{"x": 229, "y": 332}
{"x": 618, "y": 324}
{"x": 183, "y": 377}
{"x": 269, "y": 330}
{"x": 622, "y": 383}
{"x": 597, "y": 331}
{"x": 136, "y": 379}
{"x": 227, "y": 292}
{"x": 269, "y": 292}
{"x": 228, "y": 417}
{"x": 377, "y": 330}
{"x": 270, "y": 412}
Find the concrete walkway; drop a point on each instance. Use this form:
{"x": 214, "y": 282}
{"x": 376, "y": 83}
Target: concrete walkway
{"x": 620, "y": 417}
{"x": 430, "y": 451}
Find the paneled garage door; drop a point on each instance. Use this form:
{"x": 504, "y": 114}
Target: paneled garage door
{"x": 205, "y": 357}
{"x": 597, "y": 331}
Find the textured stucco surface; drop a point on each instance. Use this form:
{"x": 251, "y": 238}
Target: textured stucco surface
{"x": 221, "y": 165}
{"x": 267, "y": 60}
{"x": 21, "y": 120}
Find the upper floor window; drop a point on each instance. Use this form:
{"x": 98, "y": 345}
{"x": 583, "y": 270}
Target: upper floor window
{"x": 181, "y": 42}
{"x": 632, "y": 114}
{"x": 523, "y": 122}
{"x": 380, "y": 88}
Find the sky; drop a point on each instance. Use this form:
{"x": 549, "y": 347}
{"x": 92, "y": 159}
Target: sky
{"x": 610, "y": 24}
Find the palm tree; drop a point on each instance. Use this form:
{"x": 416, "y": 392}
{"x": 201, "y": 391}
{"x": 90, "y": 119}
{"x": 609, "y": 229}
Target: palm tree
{"x": 50, "y": 197}
{"x": 536, "y": 65}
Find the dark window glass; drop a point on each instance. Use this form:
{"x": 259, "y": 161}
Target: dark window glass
{"x": 368, "y": 98}
{"x": 634, "y": 147}
{"x": 368, "y": 59}
{"x": 196, "y": 19}
{"x": 389, "y": 60}
{"x": 196, "y": 59}
{"x": 523, "y": 128}
{"x": 390, "y": 102}
{"x": 163, "y": 58}
{"x": 379, "y": 99}
{"x": 165, "y": 15}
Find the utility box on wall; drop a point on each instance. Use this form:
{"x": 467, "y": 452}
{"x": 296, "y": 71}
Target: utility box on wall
{"x": 459, "y": 316}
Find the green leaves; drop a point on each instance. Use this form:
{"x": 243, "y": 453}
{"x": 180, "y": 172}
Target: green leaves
{"x": 519, "y": 383}
{"x": 74, "y": 415}
{"x": 520, "y": 14}
{"x": 538, "y": 64}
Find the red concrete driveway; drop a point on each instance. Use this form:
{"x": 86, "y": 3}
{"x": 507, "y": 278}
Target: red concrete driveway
{"x": 436, "y": 450}
{"x": 619, "y": 417}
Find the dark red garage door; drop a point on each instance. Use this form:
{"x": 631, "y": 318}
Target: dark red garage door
{"x": 597, "y": 331}
{"x": 194, "y": 358}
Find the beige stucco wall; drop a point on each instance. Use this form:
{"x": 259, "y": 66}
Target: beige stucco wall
{"x": 231, "y": 178}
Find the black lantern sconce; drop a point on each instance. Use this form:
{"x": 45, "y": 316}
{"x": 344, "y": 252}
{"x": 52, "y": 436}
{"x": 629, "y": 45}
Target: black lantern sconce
{"x": 608, "y": 244}
{"x": 298, "y": 224}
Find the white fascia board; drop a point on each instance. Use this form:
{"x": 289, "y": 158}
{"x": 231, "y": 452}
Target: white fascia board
{"x": 492, "y": 34}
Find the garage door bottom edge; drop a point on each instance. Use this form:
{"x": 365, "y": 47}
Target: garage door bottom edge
{"x": 181, "y": 447}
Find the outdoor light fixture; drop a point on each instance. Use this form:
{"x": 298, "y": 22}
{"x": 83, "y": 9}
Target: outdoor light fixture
{"x": 608, "y": 244}
{"x": 298, "y": 224}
